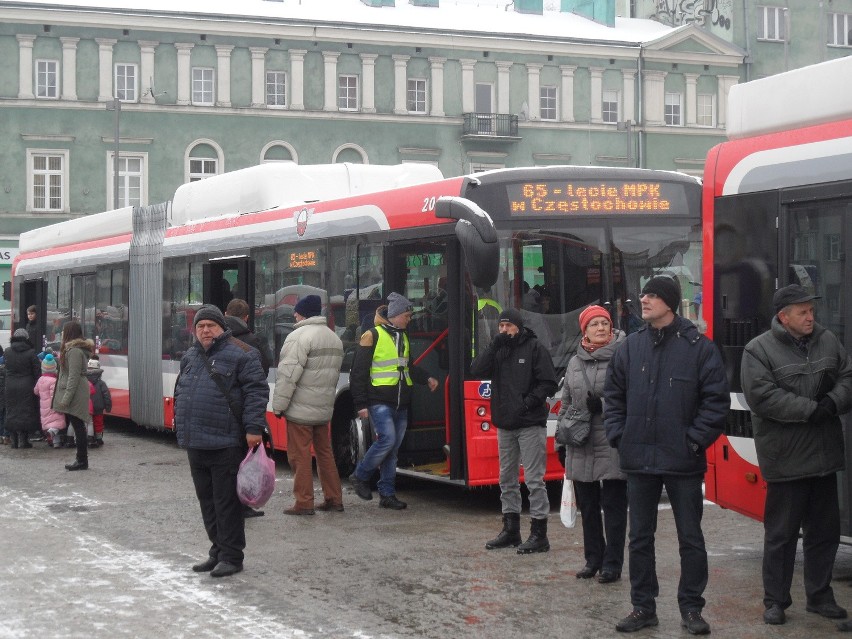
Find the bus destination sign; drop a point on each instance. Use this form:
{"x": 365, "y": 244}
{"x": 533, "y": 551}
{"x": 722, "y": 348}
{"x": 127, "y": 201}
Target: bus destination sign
{"x": 591, "y": 197}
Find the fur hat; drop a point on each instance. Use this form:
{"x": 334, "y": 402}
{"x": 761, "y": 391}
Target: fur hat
{"x": 397, "y": 305}
{"x": 591, "y": 312}
{"x": 21, "y": 332}
{"x": 212, "y": 313}
{"x": 48, "y": 364}
{"x": 513, "y": 316}
{"x": 666, "y": 288}
{"x": 309, "y": 306}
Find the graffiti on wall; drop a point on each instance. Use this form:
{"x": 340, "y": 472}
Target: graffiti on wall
{"x": 702, "y": 13}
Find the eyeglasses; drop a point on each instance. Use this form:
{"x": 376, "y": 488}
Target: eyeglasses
{"x": 650, "y": 296}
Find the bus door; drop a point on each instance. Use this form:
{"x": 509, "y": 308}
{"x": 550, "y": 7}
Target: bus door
{"x": 83, "y": 303}
{"x": 33, "y": 293}
{"x": 813, "y": 249}
{"x": 229, "y": 278}
{"x": 420, "y": 271}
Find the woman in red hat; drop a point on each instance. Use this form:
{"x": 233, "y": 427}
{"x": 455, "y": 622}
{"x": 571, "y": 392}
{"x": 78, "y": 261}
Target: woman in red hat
{"x": 593, "y": 466}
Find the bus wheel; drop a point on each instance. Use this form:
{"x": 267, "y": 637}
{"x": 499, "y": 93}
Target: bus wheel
{"x": 345, "y": 439}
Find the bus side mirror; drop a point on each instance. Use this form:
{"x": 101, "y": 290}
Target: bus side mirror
{"x": 7, "y": 291}
{"x": 475, "y": 231}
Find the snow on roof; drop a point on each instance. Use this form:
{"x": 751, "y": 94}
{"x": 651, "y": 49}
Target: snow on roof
{"x": 474, "y": 17}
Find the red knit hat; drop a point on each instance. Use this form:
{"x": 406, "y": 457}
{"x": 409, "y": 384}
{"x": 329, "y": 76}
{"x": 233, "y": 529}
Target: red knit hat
{"x": 590, "y": 313}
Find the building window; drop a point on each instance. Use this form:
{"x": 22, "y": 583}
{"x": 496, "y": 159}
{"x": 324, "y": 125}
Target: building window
{"x": 132, "y": 183}
{"x": 609, "y": 111}
{"x": 771, "y": 24}
{"x": 839, "y": 27}
{"x": 47, "y": 179}
{"x": 47, "y": 79}
{"x": 202, "y": 86}
{"x": 547, "y": 102}
{"x": 126, "y": 85}
{"x": 832, "y": 247}
{"x": 276, "y": 84}
{"x": 416, "y": 96}
{"x": 347, "y": 92}
{"x": 673, "y": 109}
{"x": 705, "y": 114}
{"x": 201, "y": 168}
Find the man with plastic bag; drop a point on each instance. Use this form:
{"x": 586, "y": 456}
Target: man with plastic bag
{"x": 308, "y": 370}
{"x": 220, "y": 397}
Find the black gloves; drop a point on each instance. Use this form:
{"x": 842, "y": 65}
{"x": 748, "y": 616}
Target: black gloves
{"x": 531, "y": 402}
{"x": 594, "y": 403}
{"x": 695, "y": 447}
{"x": 501, "y": 339}
{"x": 825, "y": 410}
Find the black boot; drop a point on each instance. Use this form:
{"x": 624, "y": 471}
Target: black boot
{"x": 537, "y": 541}
{"x": 77, "y": 465}
{"x": 510, "y": 535}
{"x": 14, "y": 436}
{"x": 24, "y": 440}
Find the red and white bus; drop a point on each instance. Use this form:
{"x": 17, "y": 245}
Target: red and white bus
{"x": 778, "y": 210}
{"x": 546, "y": 240}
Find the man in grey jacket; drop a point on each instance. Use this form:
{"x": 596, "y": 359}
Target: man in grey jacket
{"x": 797, "y": 380}
{"x": 308, "y": 370}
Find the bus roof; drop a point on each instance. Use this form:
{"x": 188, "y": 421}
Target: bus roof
{"x": 279, "y": 184}
{"x": 81, "y": 229}
{"x": 811, "y": 95}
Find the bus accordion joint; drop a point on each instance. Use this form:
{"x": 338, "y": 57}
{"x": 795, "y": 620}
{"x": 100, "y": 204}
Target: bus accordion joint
{"x": 475, "y": 231}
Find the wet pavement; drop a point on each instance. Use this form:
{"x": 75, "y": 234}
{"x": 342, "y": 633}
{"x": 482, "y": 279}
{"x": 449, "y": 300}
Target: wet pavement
{"x": 107, "y": 553}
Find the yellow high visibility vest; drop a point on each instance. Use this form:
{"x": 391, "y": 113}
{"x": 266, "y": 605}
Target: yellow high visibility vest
{"x": 388, "y": 367}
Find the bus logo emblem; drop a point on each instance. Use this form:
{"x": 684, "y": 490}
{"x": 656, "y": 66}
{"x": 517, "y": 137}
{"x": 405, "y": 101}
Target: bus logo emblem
{"x": 302, "y": 221}
{"x": 485, "y": 390}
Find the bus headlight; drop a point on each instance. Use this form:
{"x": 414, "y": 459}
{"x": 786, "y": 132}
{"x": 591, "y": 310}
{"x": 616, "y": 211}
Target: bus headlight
{"x": 481, "y": 411}
{"x": 485, "y": 426}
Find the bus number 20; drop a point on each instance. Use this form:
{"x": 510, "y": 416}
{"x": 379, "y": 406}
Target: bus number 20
{"x": 428, "y": 204}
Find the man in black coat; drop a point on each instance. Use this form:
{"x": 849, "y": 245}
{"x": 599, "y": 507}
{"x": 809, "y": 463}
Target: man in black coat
{"x": 522, "y": 378}
{"x": 236, "y": 317}
{"x": 667, "y": 401}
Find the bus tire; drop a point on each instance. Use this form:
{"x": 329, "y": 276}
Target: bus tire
{"x": 345, "y": 438}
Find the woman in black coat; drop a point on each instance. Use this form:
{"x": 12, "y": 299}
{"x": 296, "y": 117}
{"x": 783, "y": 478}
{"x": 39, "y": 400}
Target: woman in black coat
{"x": 22, "y": 371}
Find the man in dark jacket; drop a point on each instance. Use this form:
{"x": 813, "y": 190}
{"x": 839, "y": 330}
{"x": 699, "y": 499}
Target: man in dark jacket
{"x": 666, "y": 402}
{"x": 236, "y": 317}
{"x": 797, "y": 380}
{"x": 522, "y": 378}
{"x": 381, "y": 379}
{"x": 219, "y": 402}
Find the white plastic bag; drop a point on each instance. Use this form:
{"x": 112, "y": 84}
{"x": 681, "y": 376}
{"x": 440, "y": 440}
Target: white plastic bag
{"x": 568, "y": 509}
{"x": 256, "y": 477}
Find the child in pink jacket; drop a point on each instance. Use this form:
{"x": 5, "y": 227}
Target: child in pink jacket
{"x": 52, "y": 422}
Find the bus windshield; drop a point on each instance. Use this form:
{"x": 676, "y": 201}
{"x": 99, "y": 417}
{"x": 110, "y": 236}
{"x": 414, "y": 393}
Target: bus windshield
{"x": 551, "y": 275}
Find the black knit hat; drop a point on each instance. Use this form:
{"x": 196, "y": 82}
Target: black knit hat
{"x": 512, "y": 316}
{"x": 309, "y": 306}
{"x": 212, "y": 313}
{"x": 666, "y": 288}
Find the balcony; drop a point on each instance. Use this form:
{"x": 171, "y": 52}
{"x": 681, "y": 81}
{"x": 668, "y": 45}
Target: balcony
{"x": 490, "y": 126}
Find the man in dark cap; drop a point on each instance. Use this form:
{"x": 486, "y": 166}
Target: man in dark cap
{"x": 381, "y": 380}
{"x": 667, "y": 401}
{"x": 219, "y": 403}
{"x": 308, "y": 370}
{"x": 522, "y": 378}
{"x": 797, "y": 380}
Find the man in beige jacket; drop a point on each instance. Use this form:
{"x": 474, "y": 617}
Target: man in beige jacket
{"x": 308, "y": 370}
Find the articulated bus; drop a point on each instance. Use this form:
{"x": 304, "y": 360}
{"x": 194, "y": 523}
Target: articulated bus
{"x": 778, "y": 210}
{"x": 548, "y": 241}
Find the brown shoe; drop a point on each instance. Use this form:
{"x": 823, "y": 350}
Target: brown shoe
{"x": 299, "y": 511}
{"x": 330, "y": 506}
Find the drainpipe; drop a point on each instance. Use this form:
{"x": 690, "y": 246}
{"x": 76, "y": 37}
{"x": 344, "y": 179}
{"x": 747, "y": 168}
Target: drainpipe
{"x": 747, "y": 26}
{"x": 640, "y": 114}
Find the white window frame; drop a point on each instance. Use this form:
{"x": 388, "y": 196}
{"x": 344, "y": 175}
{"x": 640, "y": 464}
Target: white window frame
{"x": 188, "y": 158}
{"x": 771, "y": 24}
{"x": 673, "y": 109}
{"x": 417, "y": 95}
{"x": 63, "y": 174}
{"x": 209, "y": 168}
{"x": 201, "y": 78}
{"x": 705, "y": 102}
{"x": 348, "y": 92}
{"x": 840, "y": 24}
{"x": 274, "y": 99}
{"x": 131, "y": 92}
{"x": 548, "y": 102}
{"x": 479, "y": 167}
{"x": 45, "y": 89}
{"x": 610, "y": 97}
{"x": 125, "y": 176}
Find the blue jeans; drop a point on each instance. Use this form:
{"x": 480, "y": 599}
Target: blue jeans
{"x": 390, "y": 424}
{"x": 643, "y": 496}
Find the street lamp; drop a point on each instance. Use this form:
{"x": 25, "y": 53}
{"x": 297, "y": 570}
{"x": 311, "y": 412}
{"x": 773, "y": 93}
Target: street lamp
{"x": 628, "y": 126}
{"x": 115, "y": 105}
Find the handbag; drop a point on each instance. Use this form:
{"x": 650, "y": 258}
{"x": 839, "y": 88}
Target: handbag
{"x": 573, "y": 429}
{"x": 568, "y": 509}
